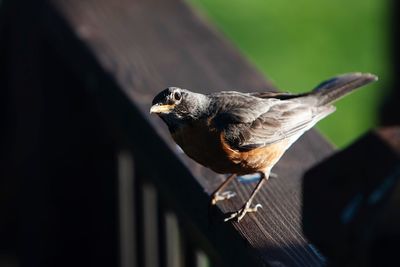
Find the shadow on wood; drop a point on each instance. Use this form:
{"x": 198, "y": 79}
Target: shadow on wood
{"x": 351, "y": 202}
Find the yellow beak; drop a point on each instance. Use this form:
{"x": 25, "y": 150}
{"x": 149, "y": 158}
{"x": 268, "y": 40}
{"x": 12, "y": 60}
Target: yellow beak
{"x": 157, "y": 109}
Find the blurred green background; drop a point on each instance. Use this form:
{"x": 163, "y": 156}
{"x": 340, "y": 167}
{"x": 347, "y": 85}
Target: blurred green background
{"x": 297, "y": 44}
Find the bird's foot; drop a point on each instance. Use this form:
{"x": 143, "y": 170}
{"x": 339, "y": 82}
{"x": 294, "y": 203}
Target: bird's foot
{"x": 273, "y": 175}
{"x": 238, "y": 215}
{"x": 221, "y": 196}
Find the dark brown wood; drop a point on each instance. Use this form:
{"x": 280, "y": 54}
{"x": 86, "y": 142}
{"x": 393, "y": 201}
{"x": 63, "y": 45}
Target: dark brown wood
{"x": 126, "y": 52}
{"x": 351, "y": 202}
{"x": 59, "y": 159}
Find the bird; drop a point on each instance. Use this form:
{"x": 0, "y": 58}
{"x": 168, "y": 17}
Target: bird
{"x": 238, "y": 133}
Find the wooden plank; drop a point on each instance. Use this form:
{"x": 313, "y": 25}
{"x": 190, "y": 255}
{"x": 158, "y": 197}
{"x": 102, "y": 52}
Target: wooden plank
{"x": 145, "y": 46}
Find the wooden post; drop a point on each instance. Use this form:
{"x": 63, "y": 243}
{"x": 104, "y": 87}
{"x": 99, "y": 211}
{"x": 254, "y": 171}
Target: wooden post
{"x": 351, "y": 201}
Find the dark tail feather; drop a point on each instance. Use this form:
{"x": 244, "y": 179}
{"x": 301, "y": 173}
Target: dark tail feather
{"x": 337, "y": 87}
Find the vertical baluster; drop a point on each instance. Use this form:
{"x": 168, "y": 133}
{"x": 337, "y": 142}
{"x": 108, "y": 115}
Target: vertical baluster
{"x": 127, "y": 234}
{"x": 174, "y": 256}
{"x": 202, "y": 259}
{"x": 150, "y": 220}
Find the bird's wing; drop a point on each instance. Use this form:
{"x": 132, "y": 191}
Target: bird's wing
{"x": 268, "y": 121}
{"x": 277, "y": 95}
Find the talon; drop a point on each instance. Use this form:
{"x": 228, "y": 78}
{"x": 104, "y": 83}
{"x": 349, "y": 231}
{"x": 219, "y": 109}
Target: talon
{"x": 228, "y": 194}
{"x": 238, "y": 215}
{"x": 222, "y": 196}
{"x": 233, "y": 215}
{"x": 255, "y": 208}
{"x": 273, "y": 175}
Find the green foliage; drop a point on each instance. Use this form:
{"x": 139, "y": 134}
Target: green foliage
{"x": 297, "y": 44}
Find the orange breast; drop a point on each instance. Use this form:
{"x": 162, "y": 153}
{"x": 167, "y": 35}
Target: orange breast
{"x": 257, "y": 159}
{"x": 208, "y": 147}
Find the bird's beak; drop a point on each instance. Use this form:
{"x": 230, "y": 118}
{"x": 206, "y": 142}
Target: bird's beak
{"x": 158, "y": 108}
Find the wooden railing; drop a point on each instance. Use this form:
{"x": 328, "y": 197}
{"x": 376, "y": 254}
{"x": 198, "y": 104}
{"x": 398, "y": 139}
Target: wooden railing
{"x": 102, "y": 182}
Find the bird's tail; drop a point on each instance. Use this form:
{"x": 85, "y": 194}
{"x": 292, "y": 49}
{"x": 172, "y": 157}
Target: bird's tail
{"x": 337, "y": 87}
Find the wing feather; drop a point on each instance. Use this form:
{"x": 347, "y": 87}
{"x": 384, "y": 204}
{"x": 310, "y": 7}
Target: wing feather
{"x": 261, "y": 122}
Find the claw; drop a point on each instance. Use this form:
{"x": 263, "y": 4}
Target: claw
{"x": 222, "y": 196}
{"x": 273, "y": 175}
{"x": 238, "y": 215}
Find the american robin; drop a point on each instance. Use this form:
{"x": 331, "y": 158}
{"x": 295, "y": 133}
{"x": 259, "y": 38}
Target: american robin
{"x": 243, "y": 133}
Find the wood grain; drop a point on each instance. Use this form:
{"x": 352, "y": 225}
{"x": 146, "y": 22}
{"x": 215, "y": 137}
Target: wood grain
{"x": 128, "y": 51}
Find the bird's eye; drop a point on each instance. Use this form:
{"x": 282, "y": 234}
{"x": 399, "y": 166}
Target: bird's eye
{"x": 177, "y": 96}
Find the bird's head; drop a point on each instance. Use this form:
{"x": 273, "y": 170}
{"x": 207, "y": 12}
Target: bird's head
{"x": 176, "y": 105}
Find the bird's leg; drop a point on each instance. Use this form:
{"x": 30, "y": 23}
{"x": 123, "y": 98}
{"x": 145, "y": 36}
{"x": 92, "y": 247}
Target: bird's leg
{"x": 238, "y": 215}
{"x": 218, "y": 195}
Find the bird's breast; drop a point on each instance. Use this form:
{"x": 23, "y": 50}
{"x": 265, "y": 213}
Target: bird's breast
{"x": 201, "y": 142}
{"x": 206, "y": 145}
